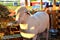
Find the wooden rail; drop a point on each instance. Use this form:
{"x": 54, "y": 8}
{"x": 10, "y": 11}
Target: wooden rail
{"x": 11, "y": 36}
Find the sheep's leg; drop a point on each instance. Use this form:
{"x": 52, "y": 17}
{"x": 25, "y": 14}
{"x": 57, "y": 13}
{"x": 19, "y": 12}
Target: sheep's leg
{"x": 35, "y": 38}
{"x": 47, "y": 37}
{"x": 38, "y": 36}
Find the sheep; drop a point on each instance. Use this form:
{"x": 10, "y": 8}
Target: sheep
{"x": 31, "y": 25}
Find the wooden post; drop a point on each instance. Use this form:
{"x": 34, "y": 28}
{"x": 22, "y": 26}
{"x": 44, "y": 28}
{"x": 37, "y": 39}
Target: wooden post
{"x": 26, "y": 2}
{"x": 54, "y": 4}
{"x": 41, "y": 5}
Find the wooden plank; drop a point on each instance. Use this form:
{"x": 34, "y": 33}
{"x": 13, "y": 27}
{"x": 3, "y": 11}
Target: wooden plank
{"x": 11, "y": 36}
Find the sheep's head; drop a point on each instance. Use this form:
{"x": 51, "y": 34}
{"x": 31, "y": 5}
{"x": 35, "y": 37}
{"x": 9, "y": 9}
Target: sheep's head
{"x": 22, "y": 15}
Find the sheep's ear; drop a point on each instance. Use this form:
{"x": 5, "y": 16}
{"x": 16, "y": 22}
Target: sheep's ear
{"x": 24, "y": 26}
{"x": 17, "y": 17}
{"x": 17, "y": 14}
{"x": 17, "y": 9}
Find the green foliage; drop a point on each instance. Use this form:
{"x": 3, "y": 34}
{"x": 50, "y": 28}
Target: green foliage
{"x": 12, "y": 7}
{"x": 32, "y": 0}
{"x": 51, "y": 0}
{"x": 58, "y": 0}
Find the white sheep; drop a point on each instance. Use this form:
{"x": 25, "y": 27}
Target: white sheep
{"x": 31, "y": 25}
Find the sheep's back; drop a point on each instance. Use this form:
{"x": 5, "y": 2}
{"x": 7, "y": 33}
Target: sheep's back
{"x": 40, "y": 22}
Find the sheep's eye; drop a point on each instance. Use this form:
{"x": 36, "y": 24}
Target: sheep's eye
{"x": 28, "y": 13}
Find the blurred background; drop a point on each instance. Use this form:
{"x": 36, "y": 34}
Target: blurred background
{"x": 52, "y": 7}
